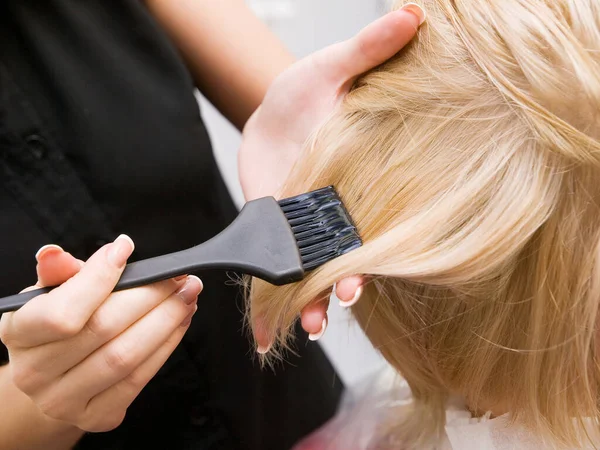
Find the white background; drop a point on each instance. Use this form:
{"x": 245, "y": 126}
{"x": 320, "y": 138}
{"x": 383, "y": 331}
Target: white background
{"x": 305, "y": 26}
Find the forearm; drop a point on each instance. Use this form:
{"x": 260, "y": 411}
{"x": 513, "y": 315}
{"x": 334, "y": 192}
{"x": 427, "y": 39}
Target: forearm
{"x": 24, "y": 427}
{"x": 232, "y": 55}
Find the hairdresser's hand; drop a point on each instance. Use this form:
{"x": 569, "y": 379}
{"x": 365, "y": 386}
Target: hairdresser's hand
{"x": 299, "y": 100}
{"x": 81, "y": 353}
{"x": 304, "y": 95}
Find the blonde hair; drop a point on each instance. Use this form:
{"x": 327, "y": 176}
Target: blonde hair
{"x": 470, "y": 164}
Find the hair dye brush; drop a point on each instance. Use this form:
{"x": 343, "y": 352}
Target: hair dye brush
{"x": 275, "y": 241}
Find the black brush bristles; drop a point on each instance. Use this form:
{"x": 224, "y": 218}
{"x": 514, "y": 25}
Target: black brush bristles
{"x": 322, "y": 227}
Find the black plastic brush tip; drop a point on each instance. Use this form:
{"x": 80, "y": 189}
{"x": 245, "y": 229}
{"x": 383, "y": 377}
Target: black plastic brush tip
{"x": 322, "y": 226}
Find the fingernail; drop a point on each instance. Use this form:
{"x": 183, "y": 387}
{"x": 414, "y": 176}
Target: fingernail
{"x": 188, "y": 319}
{"x": 120, "y": 250}
{"x": 262, "y": 350}
{"x": 317, "y": 336}
{"x": 47, "y": 249}
{"x": 351, "y": 302}
{"x": 417, "y": 10}
{"x": 190, "y": 290}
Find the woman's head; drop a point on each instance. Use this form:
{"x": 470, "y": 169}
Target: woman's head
{"x": 470, "y": 164}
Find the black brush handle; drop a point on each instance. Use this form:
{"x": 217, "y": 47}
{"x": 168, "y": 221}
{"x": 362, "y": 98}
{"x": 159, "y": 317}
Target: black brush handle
{"x": 259, "y": 242}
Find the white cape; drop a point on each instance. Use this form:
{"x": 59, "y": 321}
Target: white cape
{"x": 367, "y": 405}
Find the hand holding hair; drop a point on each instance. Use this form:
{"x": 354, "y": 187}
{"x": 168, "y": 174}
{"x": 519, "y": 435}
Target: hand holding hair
{"x": 299, "y": 100}
{"x": 82, "y": 353}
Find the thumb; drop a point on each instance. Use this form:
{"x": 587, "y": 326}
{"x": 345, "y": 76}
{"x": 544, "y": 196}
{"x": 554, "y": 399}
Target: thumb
{"x": 55, "y": 266}
{"x": 372, "y": 46}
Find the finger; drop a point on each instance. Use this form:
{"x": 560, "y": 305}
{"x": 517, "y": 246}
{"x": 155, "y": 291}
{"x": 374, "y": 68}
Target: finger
{"x": 63, "y": 312}
{"x": 44, "y": 363}
{"x": 348, "y": 290}
{"x": 374, "y": 45}
{"x": 315, "y": 336}
{"x": 55, "y": 266}
{"x": 261, "y": 335}
{"x": 121, "y": 356}
{"x": 313, "y": 317}
{"x": 46, "y": 250}
{"x": 112, "y": 403}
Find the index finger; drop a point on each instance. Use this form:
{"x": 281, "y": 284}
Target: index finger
{"x": 64, "y": 311}
{"x": 55, "y": 267}
{"x": 372, "y": 46}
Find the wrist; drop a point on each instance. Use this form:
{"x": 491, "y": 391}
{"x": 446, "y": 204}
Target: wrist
{"x": 27, "y": 426}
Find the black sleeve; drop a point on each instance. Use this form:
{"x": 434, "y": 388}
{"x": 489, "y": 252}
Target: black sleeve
{"x": 3, "y": 354}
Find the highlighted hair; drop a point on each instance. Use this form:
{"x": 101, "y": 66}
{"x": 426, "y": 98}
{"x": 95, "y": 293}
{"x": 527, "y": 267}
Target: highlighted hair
{"x": 470, "y": 163}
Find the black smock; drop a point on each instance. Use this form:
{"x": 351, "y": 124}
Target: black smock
{"x": 100, "y": 134}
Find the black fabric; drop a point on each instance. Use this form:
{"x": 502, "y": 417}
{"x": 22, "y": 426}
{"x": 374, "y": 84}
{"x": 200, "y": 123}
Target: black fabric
{"x": 100, "y": 134}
